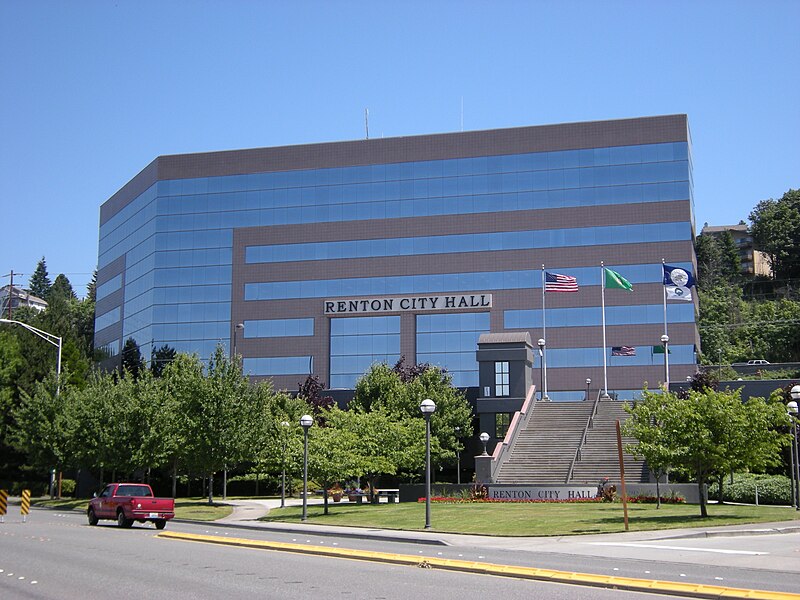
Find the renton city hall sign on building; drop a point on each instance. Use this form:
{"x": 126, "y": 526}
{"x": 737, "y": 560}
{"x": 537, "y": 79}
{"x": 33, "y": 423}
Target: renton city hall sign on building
{"x": 407, "y": 303}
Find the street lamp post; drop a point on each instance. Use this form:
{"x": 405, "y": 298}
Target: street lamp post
{"x": 542, "y": 369}
{"x": 48, "y": 337}
{"x": 588, "y": 383}
{"x": 427, "y": 407}
{"x": 665, "y": 343}
{"x": 484, "y": 438}
{"x": 458, "y": 455}
{"x": 306, "y": 421}
{"x": 236, "y": 329}
{"x": 795, "y": 393}
{"x": 284, "y": 426}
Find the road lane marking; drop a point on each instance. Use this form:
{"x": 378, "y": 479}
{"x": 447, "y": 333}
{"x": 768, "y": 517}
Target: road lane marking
{"x": 661, "y": 547}
{"x": 693, "y": 590}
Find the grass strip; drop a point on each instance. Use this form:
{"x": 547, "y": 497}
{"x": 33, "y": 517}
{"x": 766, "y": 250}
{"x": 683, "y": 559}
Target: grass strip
{"x": 531, "y": 519}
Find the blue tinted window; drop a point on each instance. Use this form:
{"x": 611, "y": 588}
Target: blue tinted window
{"x": 107, "y": 319}
{"x": 444, "y": 282}
{"x": 278, "y": 365}
{"x": 278, "y": 328}
{"x": 357, "y": 343}
{"x": 591, "y": 316}
{"x": 450, "y": 341}
{"x": 444, "y": 244}
{"x": 110, "y": 286}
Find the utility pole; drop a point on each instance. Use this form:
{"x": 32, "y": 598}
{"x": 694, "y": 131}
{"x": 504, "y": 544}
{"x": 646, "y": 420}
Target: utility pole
{"x": 11, "y": 290}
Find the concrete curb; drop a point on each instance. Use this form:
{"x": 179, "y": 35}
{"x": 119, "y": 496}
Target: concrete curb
{"x": 553, "y": 576}
{"x": 734, "y": 533}
{"x": 382, "y": 535}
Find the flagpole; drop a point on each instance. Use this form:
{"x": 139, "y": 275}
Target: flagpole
{"x": 544, "y": 337}
{"x": 665, "y": 296}
{"x": 603, "y": 305}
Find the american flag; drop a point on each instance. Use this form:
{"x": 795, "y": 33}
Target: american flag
{"x": 555, "y": 282}
{"x": 623, "y": 351}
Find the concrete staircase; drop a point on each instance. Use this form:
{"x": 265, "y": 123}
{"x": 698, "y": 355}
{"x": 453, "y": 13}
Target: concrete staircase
{"x": 599, "y": 455}
{"x": 544, "y": 451}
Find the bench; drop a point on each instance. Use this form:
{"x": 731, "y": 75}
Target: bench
{"x": 391, "y": 495}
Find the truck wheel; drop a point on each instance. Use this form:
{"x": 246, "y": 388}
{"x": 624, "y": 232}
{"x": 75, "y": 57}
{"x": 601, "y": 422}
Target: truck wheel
{"x": 92, "y": 517}
{"x": 160, "y": 523}
{"x": 122, "y": 521}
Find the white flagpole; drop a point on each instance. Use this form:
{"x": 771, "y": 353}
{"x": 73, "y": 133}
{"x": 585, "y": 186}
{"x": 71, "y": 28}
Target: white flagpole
{"x": 665, "y": 296}
{"x": 603, "y": 305}
{"x": 544, "y": 337}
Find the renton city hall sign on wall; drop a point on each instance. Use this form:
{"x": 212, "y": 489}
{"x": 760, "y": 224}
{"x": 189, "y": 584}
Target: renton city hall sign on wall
{"x": 407, "y": 303}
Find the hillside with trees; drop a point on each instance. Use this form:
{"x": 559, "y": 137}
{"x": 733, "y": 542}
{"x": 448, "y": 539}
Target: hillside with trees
{"x": 743, "y": 318}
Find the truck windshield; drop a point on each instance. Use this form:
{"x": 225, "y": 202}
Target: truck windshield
{"x": 134, "y": 490}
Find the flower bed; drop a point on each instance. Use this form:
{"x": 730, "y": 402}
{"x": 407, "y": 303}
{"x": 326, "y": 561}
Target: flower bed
{"x": 640, "y": 499}
{"x": 456, "y": 500}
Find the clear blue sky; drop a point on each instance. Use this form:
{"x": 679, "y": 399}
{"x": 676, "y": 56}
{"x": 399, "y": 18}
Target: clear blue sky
{"x": 93, "y": 91}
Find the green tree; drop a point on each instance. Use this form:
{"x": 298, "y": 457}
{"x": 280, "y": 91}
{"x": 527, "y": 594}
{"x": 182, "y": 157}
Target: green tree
{"x": 775, "y": 225}
{"x": 708, "y": 432}
{"x": 184, "y": 384}
{"x": 646, "y": 425}
{"x": 330, "y": 456}
{"x": 44, "y": 425}
{"x": 63, "y": 288}
{"x": 381, "y": 446}
{"x": 731, "y": 262}
{"x": 109, "y": 432}
{"x": 382, "y": 388}
{"x": 279, "y": 446}
{"x": 709, "y": 261}
{"x": 11, "y": 365}
{"x": 39, "y": 283}
{"x": 91, "y": 288}
{"x": 220, "y": 417}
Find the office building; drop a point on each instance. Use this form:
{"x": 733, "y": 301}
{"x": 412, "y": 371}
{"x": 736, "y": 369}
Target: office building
{"x": 332, "y": 256}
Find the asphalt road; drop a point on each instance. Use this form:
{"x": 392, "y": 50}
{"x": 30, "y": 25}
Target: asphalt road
{"x": 56, "y": 555}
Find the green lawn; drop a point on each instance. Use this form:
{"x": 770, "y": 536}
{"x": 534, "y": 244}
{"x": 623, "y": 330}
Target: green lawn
{"x": 532, "y": 519}
{"x": 195, "y": 509}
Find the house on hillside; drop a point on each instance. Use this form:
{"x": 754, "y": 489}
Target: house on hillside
{"x": 18, "y": 297}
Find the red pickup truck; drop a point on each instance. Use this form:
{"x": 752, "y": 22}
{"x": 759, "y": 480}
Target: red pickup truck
{"x": 129, "y": 502}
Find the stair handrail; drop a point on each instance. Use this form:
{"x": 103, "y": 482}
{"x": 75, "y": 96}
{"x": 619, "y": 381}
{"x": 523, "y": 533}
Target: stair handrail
{"x": 589, "y": 425}
{"x": 518, "y": 422}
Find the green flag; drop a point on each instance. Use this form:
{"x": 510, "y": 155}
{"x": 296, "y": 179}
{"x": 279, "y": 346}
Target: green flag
{"x": 615, "y": 280}
{"x": 660, "y": 350}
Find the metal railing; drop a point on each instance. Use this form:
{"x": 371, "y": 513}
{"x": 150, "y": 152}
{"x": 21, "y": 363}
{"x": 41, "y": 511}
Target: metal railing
{"x": 589, "y": 425}
{"x": 519, "y": 422}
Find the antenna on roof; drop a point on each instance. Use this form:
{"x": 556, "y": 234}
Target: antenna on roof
{"x": 462, "y": 113}
{"x": 366, "y": 120}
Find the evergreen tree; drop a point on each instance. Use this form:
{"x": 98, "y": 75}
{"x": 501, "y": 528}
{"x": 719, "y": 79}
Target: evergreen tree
{"x": 91, "y": 288}
{"x": 40, "y": 283}
{"x": 63, "y": 288}
{"x": 132, "y": 361}
{"x": 161, "y": 358}
{"x": 731, "y": 261}
{"x": 709, "y": 261}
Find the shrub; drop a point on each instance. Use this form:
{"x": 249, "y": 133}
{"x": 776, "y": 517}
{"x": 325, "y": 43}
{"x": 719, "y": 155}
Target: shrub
{"x": 772, "y": 489}
{"x": 67, "y": 487}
